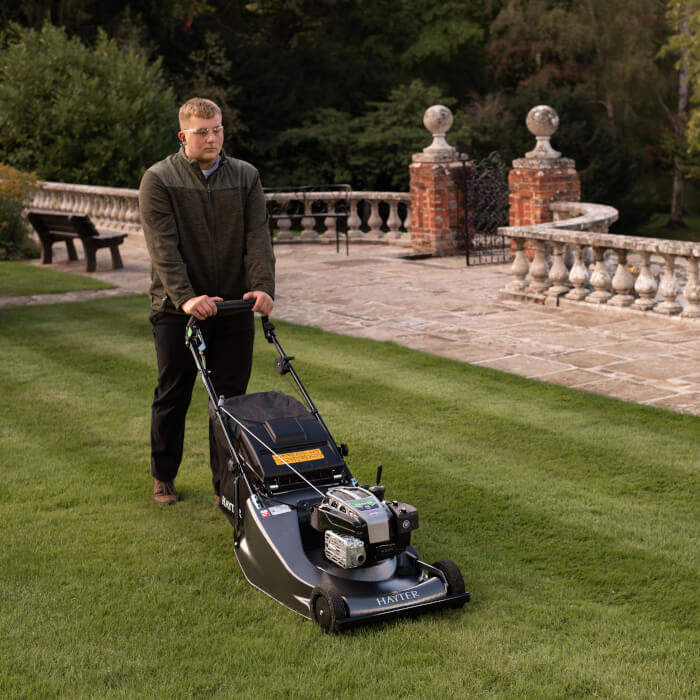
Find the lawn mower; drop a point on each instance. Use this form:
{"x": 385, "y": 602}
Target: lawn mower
{"x": 306, "y": 533}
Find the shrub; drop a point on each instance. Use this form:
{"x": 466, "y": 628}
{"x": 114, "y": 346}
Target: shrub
{"x": 16, "y": 192}
{"x": 73, "y": 113}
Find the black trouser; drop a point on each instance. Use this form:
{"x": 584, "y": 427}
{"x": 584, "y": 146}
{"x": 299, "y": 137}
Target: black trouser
{"x": 229, "y": 357}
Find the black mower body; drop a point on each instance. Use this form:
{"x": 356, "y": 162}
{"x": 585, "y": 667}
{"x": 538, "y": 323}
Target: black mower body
{"x": 306, "y": 533}
{"x": 281, "y": 554}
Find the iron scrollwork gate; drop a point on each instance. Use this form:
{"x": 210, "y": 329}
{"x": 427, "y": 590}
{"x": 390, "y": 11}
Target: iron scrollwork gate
{"x": 484, "y": 188}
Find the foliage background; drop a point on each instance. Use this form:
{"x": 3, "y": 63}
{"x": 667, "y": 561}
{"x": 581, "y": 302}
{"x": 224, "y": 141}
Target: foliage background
{"x": 334, "y": 90}
{"x": 72, "y": 113}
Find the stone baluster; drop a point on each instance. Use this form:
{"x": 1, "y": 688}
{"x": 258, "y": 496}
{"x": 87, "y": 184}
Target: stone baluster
{"x": 307, "y": 223}
{"x": 669, "y": 288}
{"x": 98, "y": 207}
{"x": 394, "y": 221}
{"x": 69, "y": 201}
{"x": 407, "y": 221}
{"x": 284, "y": 226}
{"x": 116, "y": 213}
{"x": 539, "y": 272}
{"x": 73, "y": 199}
{"x": 329, "y": 222}
{"x": 519, "y": 267}
{"x": 692, "y": 290}
{"x": 124, "y": 214}
{"x": 558, "y": 273}
{"x": 38, "y": 201}
{"x": 578, "y": 275}
{"x": 645, "y": 285}
{"x": 622, "y": 282}
{"x": 48, "y": 201}
{"x": 354, "y": 220}
{"x": 101, "y": 201}
{"x": 132, "y": 214}
{"x": 330, "y": 232}
{"x": 58, "y": 201}
{"x": 84, "y": 204}
{"x": 374, "y": 222}
{"x": 600, "y": 279}
{"x": 111, "y": 219}
{"x": 108, "y": 215}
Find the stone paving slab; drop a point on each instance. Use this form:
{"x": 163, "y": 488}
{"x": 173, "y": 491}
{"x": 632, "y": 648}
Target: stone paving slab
{"x": 441, "y": 306}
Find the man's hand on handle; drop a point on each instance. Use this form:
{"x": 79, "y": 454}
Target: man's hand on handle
{"x": 201, "y": 307}
{"x": 263, "y": 302}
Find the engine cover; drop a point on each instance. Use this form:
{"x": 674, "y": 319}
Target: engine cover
{"x": 354, "y": 512}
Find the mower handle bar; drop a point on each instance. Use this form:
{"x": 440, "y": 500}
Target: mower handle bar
{"x": 235, "y": 305}
{"x": 231, "y": 305}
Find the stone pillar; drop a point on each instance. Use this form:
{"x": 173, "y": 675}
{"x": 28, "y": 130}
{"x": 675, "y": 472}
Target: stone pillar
{"x": 435, "y": 196}
{"x": 542, "y": 176}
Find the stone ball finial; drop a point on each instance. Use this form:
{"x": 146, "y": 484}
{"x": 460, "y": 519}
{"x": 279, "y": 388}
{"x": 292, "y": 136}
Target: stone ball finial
{"x": 438, "y": 120}
{"x": 542, "y": 121}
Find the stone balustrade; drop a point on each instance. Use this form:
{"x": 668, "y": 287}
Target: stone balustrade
{"x": 371, "y": 216}
{"x": 575, "y": 259}
{"x": 110, "y": 208}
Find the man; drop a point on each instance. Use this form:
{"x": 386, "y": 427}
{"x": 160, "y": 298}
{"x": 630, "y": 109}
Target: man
{"x": 205, "y": 223}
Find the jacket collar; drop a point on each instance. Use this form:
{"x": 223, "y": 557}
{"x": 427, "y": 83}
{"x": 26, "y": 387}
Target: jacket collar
{"x": 192, "y": 162}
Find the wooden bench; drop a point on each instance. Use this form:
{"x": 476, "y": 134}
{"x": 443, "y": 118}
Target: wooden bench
{"x": 65, "y": 228}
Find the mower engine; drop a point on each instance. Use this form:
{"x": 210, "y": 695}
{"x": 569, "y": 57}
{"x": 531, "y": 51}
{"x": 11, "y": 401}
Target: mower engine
{"x": 360, "y": 528}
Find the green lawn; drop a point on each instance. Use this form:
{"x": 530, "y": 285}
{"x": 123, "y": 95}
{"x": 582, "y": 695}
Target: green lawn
{"x": 19, "y": 278}
{"x": 574, "y": 518}
{"x": 657, "y": 228}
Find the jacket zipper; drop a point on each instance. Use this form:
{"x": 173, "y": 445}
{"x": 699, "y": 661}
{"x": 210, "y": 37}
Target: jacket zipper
{"x": 212, "y": 236}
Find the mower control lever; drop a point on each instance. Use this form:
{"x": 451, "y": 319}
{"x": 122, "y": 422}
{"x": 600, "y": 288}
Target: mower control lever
{"x": 283, "y": 364}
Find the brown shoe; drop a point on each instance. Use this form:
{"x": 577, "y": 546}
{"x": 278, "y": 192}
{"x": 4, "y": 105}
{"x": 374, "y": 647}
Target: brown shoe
{"x": 164, "y": 492}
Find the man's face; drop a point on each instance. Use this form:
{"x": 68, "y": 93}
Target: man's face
{"x": 203, "y": 149}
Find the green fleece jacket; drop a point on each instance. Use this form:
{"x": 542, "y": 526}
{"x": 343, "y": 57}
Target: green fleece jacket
{"x": 205, "y": 236}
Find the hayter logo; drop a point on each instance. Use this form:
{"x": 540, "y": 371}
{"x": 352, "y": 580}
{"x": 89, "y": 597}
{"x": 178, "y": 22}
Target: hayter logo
{"x": 394, "y": 598}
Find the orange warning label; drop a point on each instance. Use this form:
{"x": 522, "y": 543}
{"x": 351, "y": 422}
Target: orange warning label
{"x": 296, "y": 457}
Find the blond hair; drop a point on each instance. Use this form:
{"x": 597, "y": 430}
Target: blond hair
{"x": 198, "y": 107}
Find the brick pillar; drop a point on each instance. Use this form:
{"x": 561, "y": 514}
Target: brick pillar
{"x": 543, "y": 176}
{"x": 434, "y": 195}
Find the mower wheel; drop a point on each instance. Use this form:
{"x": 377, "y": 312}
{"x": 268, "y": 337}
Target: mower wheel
{"x": 455, "y": 582}
{"x": 327, "y": 607}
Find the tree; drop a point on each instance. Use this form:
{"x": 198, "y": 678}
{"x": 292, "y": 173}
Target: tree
{"x": 75, "y": 114}
{"x": 609, "y": 49}
{"x": 209, "y": 75}
{"x": 684, "y": 43}
{"x": 599, "y": 60}
{"x": 371, "y": 151}
{"x": 688, "y": 42}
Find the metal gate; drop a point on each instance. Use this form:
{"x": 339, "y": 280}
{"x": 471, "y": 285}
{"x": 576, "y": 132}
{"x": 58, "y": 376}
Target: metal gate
{"x": 484, "y": 188}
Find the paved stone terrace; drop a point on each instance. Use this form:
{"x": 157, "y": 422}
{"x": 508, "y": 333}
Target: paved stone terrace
{"x": 440, "y": 306}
